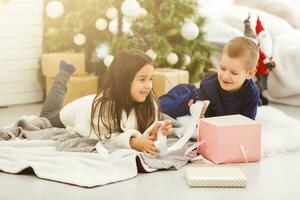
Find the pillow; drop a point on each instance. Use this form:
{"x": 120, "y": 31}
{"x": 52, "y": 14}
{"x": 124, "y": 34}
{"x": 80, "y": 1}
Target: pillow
{"x": 219, "y": 33}
{"x": 214, "y": 8}
{"x": 281, "y": 8}
{"x": 216, "y": 31}
{"x": 235, "y": 15}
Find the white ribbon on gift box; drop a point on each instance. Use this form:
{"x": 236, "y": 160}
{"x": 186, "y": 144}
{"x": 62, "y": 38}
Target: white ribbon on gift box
{"x": 200, "y": 157}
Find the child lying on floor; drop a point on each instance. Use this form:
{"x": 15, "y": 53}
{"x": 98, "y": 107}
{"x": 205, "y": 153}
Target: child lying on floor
{"x": 122, "y": 110}
{"x": 230, "y": 91}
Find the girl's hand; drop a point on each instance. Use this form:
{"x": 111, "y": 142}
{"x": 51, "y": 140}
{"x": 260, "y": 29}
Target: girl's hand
{"x": 167, "y": 126}
{"x": 143, "y": 144}
{"x": 165, "y": 129}
{"x": 190, "y": 103}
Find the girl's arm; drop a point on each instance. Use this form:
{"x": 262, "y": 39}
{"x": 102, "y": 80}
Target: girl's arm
{"x": 77, "y": 115}
{"x": 133, "y": 139}
{"x": 122, "y": 140}
{"x": 145, "y": 143}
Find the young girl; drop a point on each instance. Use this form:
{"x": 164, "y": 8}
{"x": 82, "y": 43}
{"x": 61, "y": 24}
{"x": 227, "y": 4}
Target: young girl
{"x": 122, "y": 110}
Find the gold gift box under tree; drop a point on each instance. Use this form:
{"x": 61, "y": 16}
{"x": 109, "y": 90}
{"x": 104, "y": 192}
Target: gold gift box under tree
{"x": 165, "y": 79}
{"x": 80, "y": 83}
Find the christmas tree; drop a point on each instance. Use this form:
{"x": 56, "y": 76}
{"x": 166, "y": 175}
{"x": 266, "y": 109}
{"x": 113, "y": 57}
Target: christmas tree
{"x": 167, "y": 30}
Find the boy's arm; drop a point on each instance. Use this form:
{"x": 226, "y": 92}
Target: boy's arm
{"x": 176, "y": 102}
{"x": 250, "y": 109}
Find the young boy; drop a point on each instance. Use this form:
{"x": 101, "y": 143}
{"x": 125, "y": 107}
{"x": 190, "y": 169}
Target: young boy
{"x": 230, "y": 91}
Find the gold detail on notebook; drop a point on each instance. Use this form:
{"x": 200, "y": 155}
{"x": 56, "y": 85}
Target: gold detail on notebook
{"x": 215, "y": 177}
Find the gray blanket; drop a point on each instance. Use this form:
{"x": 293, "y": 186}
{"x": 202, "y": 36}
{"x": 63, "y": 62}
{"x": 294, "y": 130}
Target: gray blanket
{"x": 39, "y": 128}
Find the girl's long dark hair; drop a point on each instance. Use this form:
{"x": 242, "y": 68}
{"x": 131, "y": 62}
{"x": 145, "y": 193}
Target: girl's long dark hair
{"x": 114, "y": 95}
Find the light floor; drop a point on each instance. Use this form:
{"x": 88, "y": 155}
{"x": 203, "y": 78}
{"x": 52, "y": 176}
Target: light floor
{"x": 273, "y": 178}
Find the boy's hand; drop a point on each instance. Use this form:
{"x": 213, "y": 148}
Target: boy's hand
{"x": 165, "y": 129}
{"x": 205, "y": 106}
{"x": 143, "y": 144}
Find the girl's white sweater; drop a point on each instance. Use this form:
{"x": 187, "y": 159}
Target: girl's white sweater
{"x": 77, "y": 115}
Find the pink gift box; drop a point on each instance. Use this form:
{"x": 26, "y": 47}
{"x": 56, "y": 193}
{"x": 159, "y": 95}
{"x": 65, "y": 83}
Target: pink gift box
{"x": 230, "y": 139}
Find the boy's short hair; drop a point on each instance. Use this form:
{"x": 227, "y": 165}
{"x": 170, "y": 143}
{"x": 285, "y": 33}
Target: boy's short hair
{"x": 243, "y": 48}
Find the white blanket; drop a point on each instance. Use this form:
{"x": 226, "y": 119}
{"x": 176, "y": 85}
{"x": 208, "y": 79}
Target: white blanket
{"x": 82, "y": 169}
{"x": 284, "y": 81}
{"x": 280, "y": 132}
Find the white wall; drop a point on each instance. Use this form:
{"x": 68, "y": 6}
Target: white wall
{"x": 21, "y": 34}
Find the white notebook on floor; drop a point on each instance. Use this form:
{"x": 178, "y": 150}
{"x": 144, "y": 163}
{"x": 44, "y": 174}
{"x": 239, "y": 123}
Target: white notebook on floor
{"x": 215, "y": 177}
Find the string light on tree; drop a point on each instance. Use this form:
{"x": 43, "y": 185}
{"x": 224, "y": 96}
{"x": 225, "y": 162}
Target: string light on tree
{"x": 108, "y": 60}
{"x": 101, "y": 24}
{"x": 102, "y": 50}
{"x": 79, "y": 39}
{"x": 113, "y": 26}
{"x": 126, "y": 25}
{"x": 187, "y": 59}
{"x": 151, "y": 54}
{"x": 172, "y": 58}
{"x": 112, "y": 13}
{"x": 131, "y": 8}
{"x": 189, "y": 30}
{"x": 54, "y": 9}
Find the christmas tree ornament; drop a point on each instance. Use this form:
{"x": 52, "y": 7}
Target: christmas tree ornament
{"x": 151, "y": 54}
{"x": 79, "y": 39}
{"x": 102, "y": 50}
{"x": 101, "y": 24}
{"x": 113, "y": 26}
{"x": 265, "y": 62}
{"x": 172, "y": 58}
{"x": 189, "y": 30}
{"x": 130, "y": 8}
{"x": 108, "y": 60}
{"x": 112, "y": 13}
{"x": 264, "y": 40}
{"x": 54, "y": 9}
{"x": 187, "y": 59}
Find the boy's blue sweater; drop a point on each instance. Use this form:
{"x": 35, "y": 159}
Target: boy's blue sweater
{"x": 244, "y": 101}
